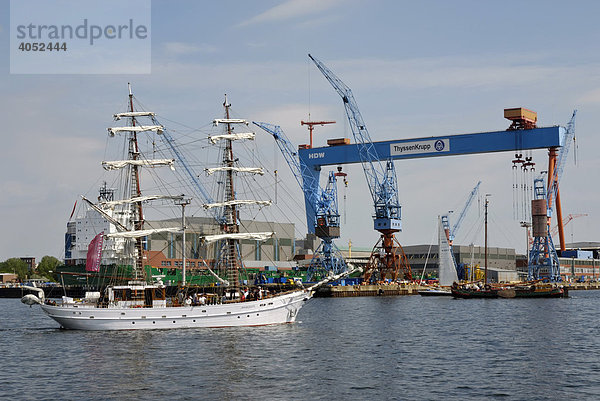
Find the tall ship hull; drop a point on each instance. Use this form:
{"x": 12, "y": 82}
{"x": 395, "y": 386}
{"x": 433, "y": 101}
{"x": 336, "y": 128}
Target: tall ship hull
{"x": 268, "y": 311}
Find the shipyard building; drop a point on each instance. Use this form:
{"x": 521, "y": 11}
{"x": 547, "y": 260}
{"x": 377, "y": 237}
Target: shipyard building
{"x": 164, "y": 249}
{"x": 284, "y": 252}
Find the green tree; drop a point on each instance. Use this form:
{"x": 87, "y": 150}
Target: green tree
{"x": 47, "y": 267}
{"x": 17, "y": 266}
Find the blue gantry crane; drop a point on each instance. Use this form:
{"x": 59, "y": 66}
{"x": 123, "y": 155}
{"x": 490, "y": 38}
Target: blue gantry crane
{"x": 543, "y": 258}
{"x": 387, "y": 258}
{"x": 324, "y": 221}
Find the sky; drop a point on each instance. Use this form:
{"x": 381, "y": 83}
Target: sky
{"x": 416, "y": 69}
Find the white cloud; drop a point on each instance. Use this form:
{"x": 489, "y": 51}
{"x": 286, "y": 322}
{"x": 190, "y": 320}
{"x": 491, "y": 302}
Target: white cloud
{"x": 474, "y": 71}
{"x": 590, "y": 97}
{"x": 291, "y": 9}
{"x": 182, "y": 48}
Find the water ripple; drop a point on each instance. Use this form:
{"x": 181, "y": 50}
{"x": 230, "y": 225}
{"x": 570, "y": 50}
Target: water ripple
{"x": 393, "y": 348}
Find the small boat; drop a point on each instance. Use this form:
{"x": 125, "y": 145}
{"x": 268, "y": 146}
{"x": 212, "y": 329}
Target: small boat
{"x": 435, "y": 292}
{"x": 473, "y": 290}
{"x": 534, "y": 290}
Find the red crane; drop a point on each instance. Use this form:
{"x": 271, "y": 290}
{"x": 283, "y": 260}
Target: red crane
{"x": 566, "y": 221}
{"x": 311, "y": 125}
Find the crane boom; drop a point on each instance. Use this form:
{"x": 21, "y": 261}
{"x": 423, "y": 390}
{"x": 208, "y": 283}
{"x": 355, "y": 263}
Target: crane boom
{"x": 463, "y": 213}
{"x": 381, "y": 180}
{"x": 387, "y": 256}
{"x": 562, "y": 158}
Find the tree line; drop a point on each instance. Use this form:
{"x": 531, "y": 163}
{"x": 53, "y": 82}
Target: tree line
{"x": 45, "y": 269}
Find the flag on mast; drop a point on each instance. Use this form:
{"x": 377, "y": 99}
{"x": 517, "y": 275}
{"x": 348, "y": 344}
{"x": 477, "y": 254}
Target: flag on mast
{"x": 94, "y": 253}
{"x": 73, "y": 211}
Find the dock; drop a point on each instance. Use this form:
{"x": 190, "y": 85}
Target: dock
{"x": 370, "y": 290}
{"x": 394, "y": 289}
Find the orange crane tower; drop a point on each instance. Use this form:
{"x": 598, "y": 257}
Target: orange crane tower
{"x": 311, "y": 125}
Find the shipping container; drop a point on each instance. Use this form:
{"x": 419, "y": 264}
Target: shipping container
{"x": 338, "y": 141}
{"x": 538, "y": 207}
{"x": 520, "y": 113}
{"x": 539, "y": 226}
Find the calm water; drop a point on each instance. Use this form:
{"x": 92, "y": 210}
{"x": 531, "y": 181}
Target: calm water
{"x": 402, "y": 348}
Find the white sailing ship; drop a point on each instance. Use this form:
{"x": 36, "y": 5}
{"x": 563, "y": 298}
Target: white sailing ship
{"x": 144, "y": 305}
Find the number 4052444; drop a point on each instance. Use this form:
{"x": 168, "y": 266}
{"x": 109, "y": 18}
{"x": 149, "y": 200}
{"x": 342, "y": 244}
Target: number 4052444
{"x": 42, "y": 47}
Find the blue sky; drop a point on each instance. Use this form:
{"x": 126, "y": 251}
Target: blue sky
{"x": 416, "y": 69}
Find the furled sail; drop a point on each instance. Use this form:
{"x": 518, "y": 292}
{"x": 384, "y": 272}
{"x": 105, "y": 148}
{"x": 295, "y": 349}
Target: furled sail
{"x": 139, "y": 199}
{"x": 117, "y": 164}
{"x": 138, "y": 128}
{"x": 233, "y": 137}
{"x": 251, "y": 170}
{"x": 447, "y": 270}
{"x": 144, "y": 233}
{"x": 118, "y": 116}
{"x": 252, "y": 236}
{"x": 237, "y": 202}
{"x": 218, "y": 121}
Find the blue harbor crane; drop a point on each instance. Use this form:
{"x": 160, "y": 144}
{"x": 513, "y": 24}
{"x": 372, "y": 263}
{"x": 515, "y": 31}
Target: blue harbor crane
{"x": 387, "y": 257}
{"x": 451, "y": 233}
{"x": 324, "y": 219}
{"x": 543, "y": 258}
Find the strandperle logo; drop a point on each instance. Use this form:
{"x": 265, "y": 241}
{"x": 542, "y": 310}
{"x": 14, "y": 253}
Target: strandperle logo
{"x": 89, "y": 32}
{"x": 80, "y": 37}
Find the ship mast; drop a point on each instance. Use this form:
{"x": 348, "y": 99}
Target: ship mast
{"x": 135, "y": 192}
{"x": 228, "y": 260}
{"x": 231, "y": 222}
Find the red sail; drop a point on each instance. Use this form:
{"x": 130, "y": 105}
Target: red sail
{"x": 94, "y": 253}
